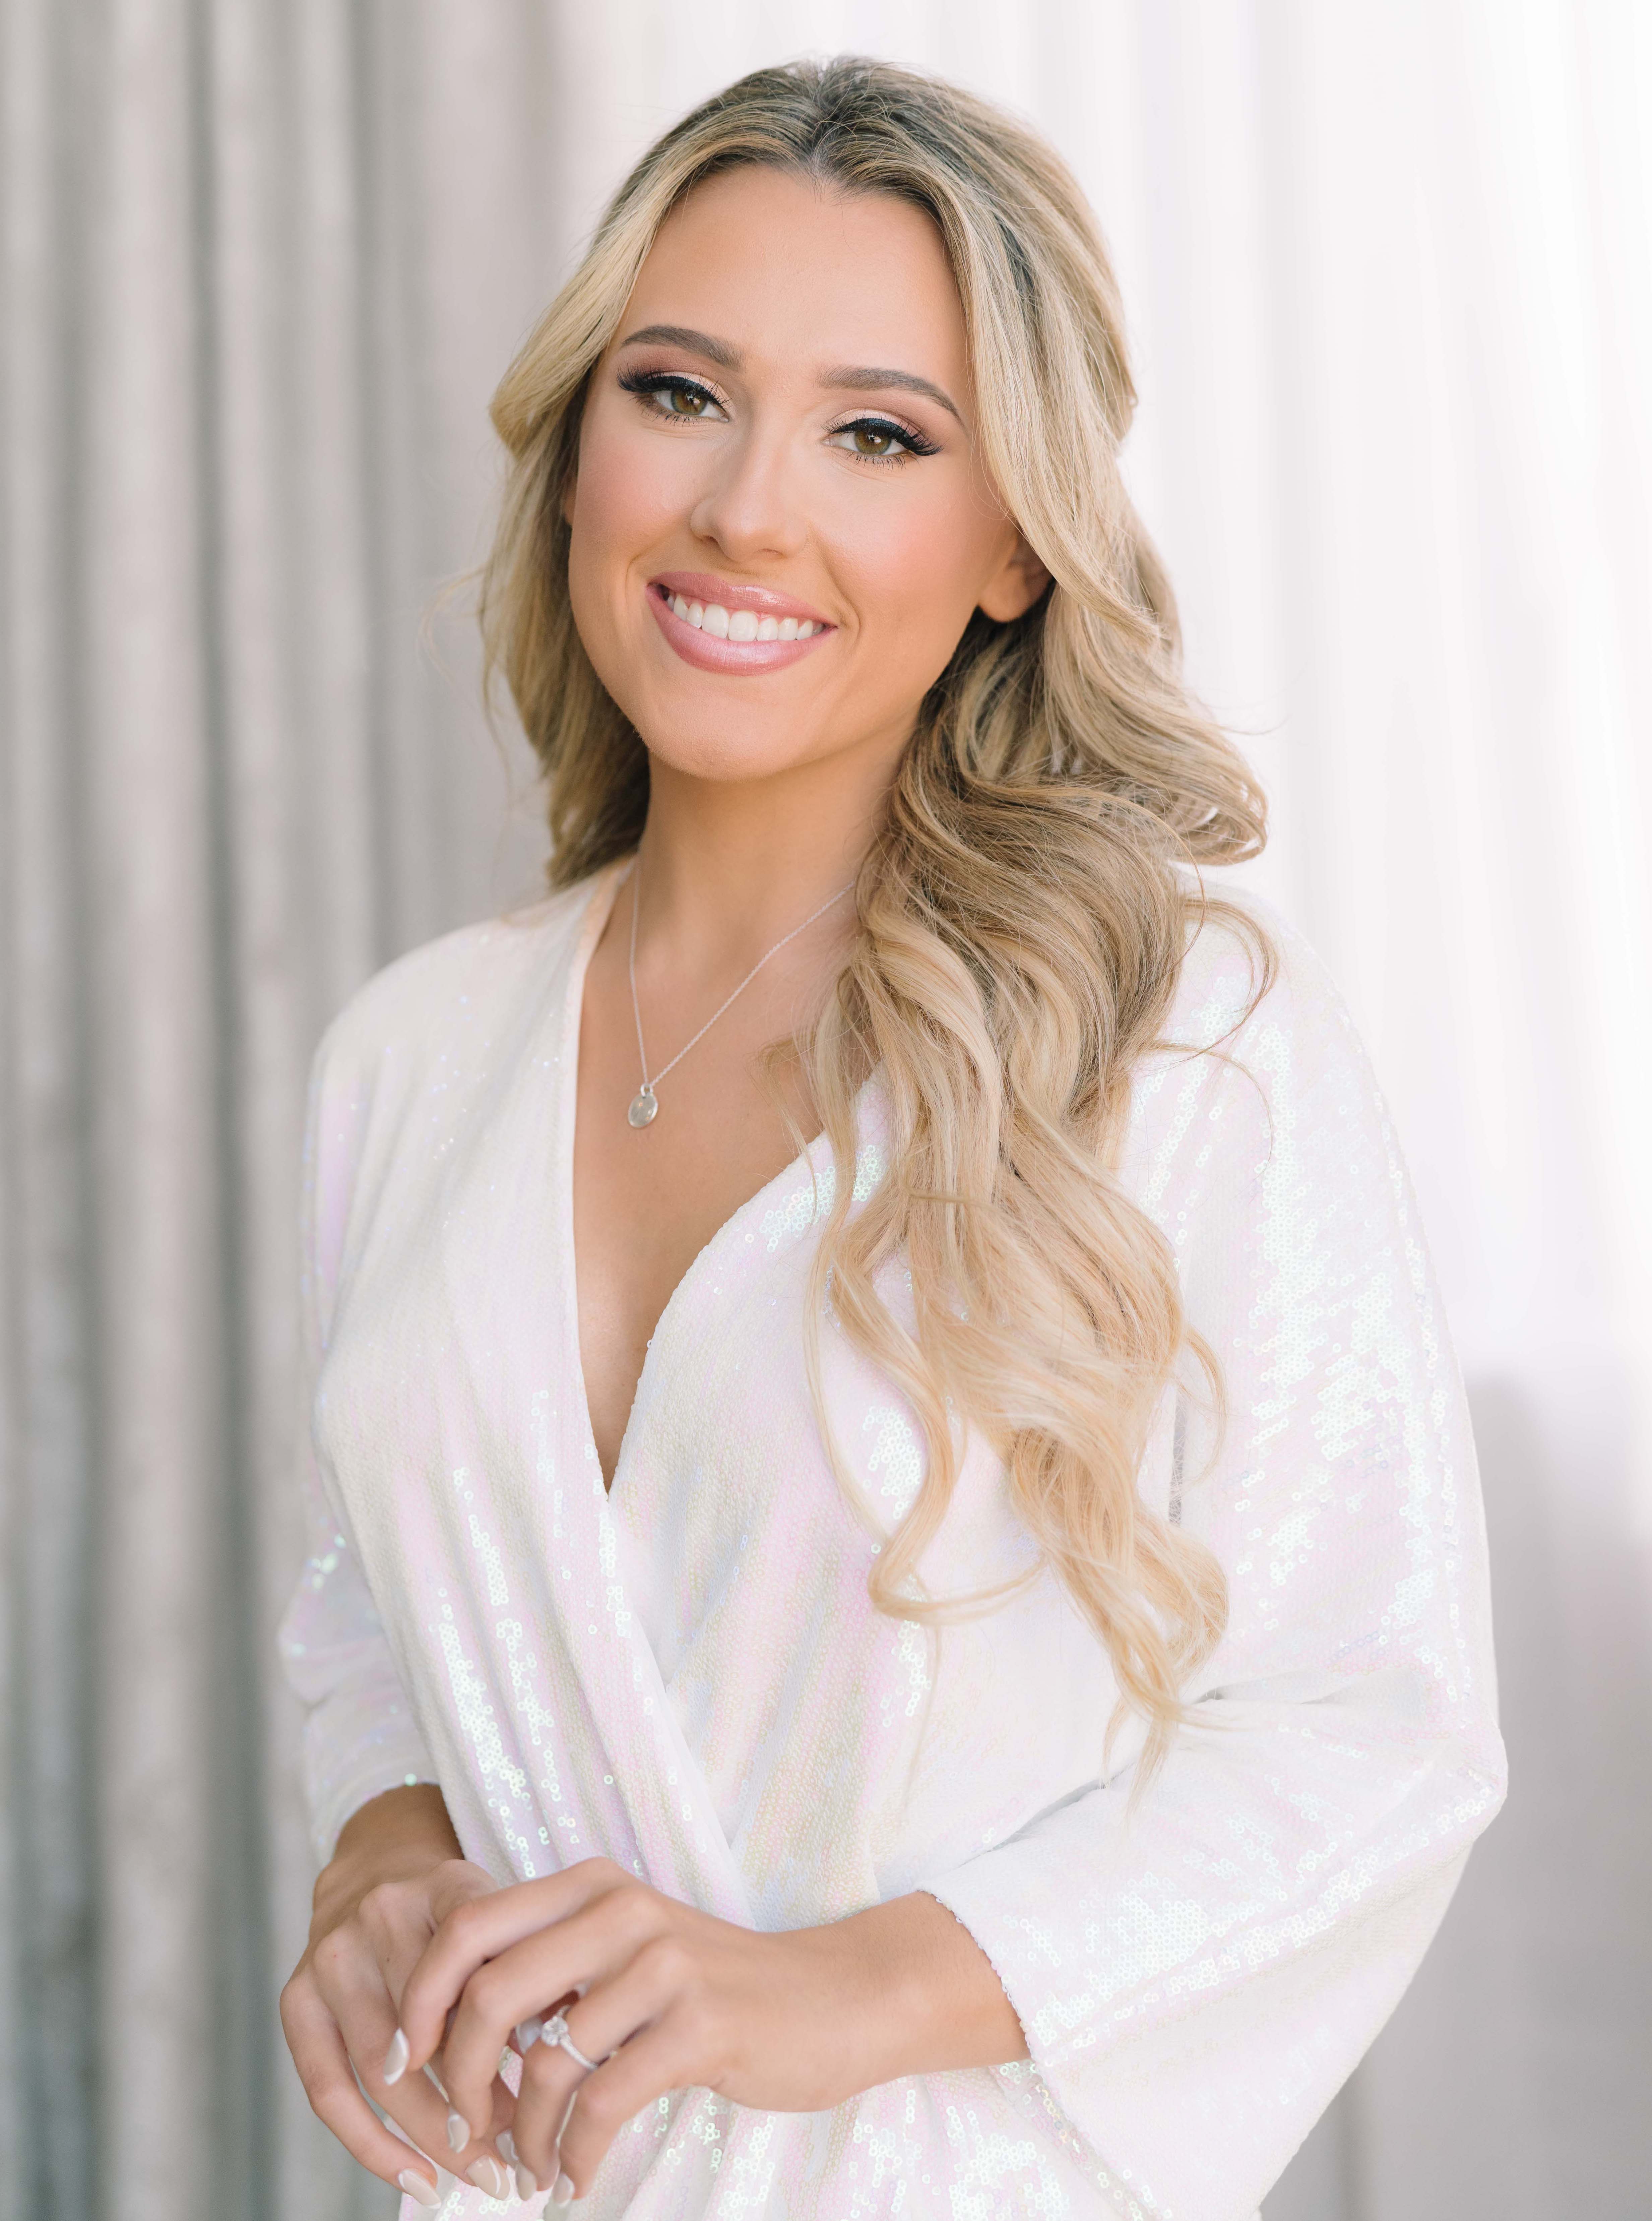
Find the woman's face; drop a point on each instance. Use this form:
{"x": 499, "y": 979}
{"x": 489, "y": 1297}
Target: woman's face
{"x": 780, "y": 526}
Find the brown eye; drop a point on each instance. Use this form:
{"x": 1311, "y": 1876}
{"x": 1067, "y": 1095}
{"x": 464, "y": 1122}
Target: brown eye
{"x": 869, "y": 440}
{"x": 686, "y": 402}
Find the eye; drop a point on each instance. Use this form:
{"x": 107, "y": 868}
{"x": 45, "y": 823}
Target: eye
{"x": 880, "y": 440}
{"x": 665, "y": 393}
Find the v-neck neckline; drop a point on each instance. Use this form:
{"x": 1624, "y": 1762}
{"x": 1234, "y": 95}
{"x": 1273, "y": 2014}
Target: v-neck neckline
{"x": 599, "y": 906}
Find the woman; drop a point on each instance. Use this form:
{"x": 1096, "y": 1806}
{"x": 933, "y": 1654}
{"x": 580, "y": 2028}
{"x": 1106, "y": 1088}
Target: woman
{"x": 947, "y": 1668}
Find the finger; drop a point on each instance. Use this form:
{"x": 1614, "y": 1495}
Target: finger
{"x": 660, "y": 2058}
{"x": 323, "y": 2065}
{"x": 609, "y": 2015}
{"x": 350, "y": 1988}
{"x": 479, "y": 1930}
{"x": 592, "y": 1946}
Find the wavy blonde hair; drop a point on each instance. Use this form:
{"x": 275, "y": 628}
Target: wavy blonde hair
{"x": 1022, "y": 920}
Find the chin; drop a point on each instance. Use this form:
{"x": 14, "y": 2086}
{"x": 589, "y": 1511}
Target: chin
{"x": 720, "y": 754}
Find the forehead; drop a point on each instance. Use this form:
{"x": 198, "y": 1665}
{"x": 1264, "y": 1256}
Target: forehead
{"x": 791, "y": 270}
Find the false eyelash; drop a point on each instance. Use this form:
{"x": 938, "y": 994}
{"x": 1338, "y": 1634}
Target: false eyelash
{"x": 912, "y": 441}
{"x": 667, "y": 381}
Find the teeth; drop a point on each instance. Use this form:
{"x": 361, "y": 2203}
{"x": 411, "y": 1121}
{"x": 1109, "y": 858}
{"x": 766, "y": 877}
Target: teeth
{"x": 741, "y": 624}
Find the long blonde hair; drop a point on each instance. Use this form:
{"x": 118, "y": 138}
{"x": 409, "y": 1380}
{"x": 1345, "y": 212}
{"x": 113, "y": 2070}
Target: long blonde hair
{"x": 1022, "y": 921}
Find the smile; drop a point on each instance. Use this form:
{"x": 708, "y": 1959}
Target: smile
{"x": 718, "y": 626}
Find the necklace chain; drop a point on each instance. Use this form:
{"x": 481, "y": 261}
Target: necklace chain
{"x": 645, "y": 1103}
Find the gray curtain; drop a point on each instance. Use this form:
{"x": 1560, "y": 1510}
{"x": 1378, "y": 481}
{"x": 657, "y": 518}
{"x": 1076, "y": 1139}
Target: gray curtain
{"x": 263, "y": 262}
{"x": 256, "y": 291}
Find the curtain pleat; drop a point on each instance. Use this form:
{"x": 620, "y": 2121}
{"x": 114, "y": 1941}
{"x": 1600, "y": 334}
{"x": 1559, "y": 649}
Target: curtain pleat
{"x": 1390, "y": 288}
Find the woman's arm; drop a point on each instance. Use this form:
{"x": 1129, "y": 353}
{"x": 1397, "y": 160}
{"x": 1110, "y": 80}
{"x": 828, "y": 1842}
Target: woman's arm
{"x": 1199, "y": 1969}
{"x": 392, "y": 1869}
{"x": 393, "y": 1837}
{"x": 794, "y": 2022}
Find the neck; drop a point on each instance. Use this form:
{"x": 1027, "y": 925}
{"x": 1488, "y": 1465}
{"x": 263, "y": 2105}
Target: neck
{"x": 728, "y": 867}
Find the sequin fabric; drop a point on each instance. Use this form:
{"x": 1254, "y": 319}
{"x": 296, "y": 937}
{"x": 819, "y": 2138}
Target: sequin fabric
{"x": 689, "y": 1678}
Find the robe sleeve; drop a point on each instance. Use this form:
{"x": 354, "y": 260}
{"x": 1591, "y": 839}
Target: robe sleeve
{"x": 1197, "y": 1977}
{"x": 360, "y": 1737}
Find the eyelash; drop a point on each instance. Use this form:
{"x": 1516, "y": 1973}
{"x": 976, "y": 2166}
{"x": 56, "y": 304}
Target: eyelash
{"x": 647, "y": 383}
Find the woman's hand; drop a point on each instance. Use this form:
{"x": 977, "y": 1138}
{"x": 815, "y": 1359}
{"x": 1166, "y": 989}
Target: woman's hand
{"x": 397, "y": 1877}
{"x": 662, "y": 1997}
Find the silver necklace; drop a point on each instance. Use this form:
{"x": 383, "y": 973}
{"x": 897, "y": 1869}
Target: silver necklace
{"x": 644, "y": 1102}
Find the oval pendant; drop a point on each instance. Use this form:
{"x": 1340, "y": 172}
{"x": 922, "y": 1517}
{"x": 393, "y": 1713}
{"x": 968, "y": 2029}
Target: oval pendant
{"x": 643, "y": 1106}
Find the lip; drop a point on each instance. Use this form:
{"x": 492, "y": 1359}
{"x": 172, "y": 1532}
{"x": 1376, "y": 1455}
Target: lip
{"x": 733, "y": 657}
{"x": 704, "y": 586}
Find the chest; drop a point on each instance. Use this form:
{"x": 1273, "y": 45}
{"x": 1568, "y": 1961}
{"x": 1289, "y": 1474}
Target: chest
{"x": 646, "y": 1201}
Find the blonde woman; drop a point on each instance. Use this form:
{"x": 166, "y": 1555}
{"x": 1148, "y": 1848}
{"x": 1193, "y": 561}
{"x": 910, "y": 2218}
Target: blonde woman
{"x": 898, "y": 1617}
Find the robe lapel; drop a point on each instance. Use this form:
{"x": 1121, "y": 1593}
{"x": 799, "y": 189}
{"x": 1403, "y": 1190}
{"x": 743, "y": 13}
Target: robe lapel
{"x": 627, "y": 1784}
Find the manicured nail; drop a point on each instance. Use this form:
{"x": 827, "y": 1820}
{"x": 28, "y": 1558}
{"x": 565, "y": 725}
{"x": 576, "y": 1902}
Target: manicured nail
{"x": 421, "y": 2192}
{"x": 458, "y": 2129}
{"x": 487, "y": 2174}
{"x": 395, "y": 2058}
{"x": 526, "y": 2183}
{"x": 527, "y": 2033}
{"x": 562, "y": 2191}
{"x": 507, "y": 2145}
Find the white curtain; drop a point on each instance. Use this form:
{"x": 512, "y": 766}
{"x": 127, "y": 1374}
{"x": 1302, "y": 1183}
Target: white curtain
{"x": 1389, "y": 271}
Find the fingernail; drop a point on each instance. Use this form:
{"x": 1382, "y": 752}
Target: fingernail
{"x": 562, "y": 2191}
{"x": 458, "y": 2129}
{"x": 527, "y": 2033}
{"x": 395, "y": 2058}
{"x": 506, "y": 2146}
{"x": 421, "y": 2192}
{"x": 487, "y": 2174}
{"x": 526, "y": 2183}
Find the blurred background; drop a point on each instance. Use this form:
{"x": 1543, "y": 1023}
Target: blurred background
{"x": 1388, "y": 269}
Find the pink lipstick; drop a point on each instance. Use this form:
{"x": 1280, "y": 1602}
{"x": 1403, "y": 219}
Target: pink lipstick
{"x": 717, "y": 625}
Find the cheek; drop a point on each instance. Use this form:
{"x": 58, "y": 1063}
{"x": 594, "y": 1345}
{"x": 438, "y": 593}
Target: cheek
{"x": 918, "y": 565}
{"x": 626, "y": 497}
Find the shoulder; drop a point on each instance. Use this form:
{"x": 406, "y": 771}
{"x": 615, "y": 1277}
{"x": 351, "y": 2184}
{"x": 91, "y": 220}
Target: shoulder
{"x": 1254, "y": 991}
{"x": 1259, "y": 1059}
{"x": 464, "y": 984}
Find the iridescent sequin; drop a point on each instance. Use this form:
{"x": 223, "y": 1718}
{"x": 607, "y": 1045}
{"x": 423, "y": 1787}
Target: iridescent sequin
{"x": 688, "y": 1676}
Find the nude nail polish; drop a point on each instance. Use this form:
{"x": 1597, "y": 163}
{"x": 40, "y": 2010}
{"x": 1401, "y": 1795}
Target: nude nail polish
{"x": 421, "y": 2192}
{"x": 507, "y": 2145}
{"x": 395, "y": 2058}
{"x": 459, "y": 2130}
{"x": 527, "y": 2182}
{"x": 487, "y": 2174}
{"x": 562, "y": 2191}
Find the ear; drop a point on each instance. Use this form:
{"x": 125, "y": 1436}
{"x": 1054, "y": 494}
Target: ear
{"x": 1015, "y": 585}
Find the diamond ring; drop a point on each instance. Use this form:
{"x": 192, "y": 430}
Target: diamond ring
{"x": 553, "y": 2031}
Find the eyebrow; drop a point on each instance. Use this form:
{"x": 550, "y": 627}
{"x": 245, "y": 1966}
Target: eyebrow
{"x": 857, "y": 378}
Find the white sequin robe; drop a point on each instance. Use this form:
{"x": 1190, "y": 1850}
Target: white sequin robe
{"x": 688, "y": 1676}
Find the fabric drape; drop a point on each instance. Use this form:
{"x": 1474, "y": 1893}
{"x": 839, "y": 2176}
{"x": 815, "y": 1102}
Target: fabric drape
{"x": 687, "y": 1675}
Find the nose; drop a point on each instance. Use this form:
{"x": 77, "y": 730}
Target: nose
{"x": 749, "y": 507}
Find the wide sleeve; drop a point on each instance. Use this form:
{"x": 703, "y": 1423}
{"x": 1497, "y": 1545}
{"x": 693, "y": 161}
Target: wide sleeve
{"x": 1198, "y": 1976}
{"x": 360, "y": 1735}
